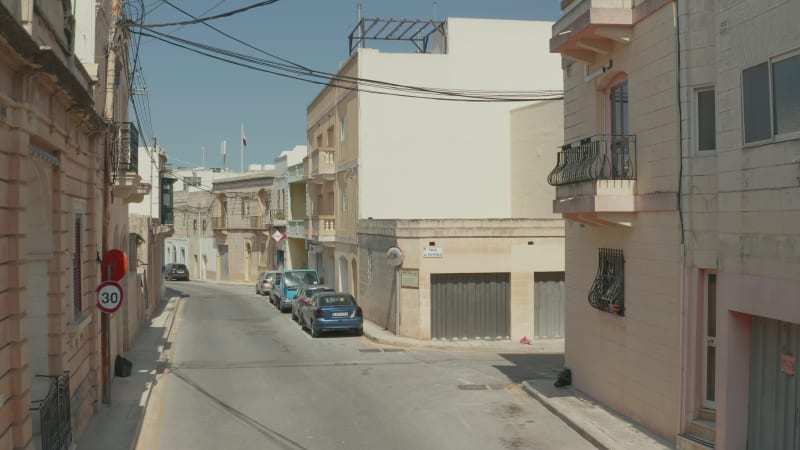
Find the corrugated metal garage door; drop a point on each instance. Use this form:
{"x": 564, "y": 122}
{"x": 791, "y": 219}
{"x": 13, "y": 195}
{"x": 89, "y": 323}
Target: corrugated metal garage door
{"x": 470, "y": 306}
{"x": 548, "y": 305}
{"x": 773, "y": 416}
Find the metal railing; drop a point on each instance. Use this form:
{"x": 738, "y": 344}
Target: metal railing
{"x": 219, "y": 223}
{"x": 125, "y": 147}
{"x": 608, "y": 289}
{"x": 55, "y": 414}
{"x": 601, "y": 157}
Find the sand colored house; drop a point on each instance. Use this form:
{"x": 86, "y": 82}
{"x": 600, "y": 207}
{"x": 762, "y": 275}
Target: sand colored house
{"x": 678, "y": 180}
{"x": 58, "y": 122}
{"x": 456, "y": 186}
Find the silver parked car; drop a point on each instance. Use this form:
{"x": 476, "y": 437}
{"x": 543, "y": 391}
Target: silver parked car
{"x": 266, "y": 281}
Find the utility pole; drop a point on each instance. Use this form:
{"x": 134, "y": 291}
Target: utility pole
{"x": 105, "y": 322}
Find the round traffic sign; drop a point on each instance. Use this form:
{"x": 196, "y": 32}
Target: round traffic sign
{"x": 109, "y": 296}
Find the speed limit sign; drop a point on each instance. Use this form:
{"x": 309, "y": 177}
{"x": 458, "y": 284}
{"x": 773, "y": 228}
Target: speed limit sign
{"x": 109, "y": 296}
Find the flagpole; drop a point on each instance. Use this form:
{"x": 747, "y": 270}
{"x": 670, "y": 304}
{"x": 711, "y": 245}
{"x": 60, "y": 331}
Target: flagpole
{"x": 241, "y": 149}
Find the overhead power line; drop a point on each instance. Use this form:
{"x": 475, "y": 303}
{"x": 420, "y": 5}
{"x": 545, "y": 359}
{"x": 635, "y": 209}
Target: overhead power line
{"x": 217, "y": 16}
{"x": 352, "y": 83}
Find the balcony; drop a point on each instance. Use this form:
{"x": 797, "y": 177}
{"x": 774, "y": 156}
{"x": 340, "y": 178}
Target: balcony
{"x": 219, "y": 223}
{"x": 590, "y": 28}
{"x": 322, "y": 228}
{"x": 595, "y": 181}
{"x": 322, "y": 164}
{"x": 602, "y": 157}
{"x": 296, "y": 229}
{"x": 296, "y": 174}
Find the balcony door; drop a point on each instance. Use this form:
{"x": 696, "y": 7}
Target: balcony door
{"x": 618, "y": 165}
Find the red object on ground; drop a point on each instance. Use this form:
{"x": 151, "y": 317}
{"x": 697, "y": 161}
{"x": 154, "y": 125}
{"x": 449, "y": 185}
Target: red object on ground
{"x": 114, "y": 265}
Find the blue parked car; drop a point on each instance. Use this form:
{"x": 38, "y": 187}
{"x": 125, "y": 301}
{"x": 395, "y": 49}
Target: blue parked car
{"x": 331, "y": 311}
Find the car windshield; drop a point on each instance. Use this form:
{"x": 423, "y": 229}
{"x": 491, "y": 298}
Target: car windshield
{"x": 294, "y": 279}
{"x": 338, "y": 300}
{"x": 179, "y": 266}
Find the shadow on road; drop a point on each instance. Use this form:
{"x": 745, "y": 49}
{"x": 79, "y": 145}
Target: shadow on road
{"x": 531, "y": 366}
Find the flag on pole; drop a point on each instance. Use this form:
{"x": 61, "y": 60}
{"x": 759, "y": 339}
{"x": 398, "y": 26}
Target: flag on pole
{"x": 244, "y": 138}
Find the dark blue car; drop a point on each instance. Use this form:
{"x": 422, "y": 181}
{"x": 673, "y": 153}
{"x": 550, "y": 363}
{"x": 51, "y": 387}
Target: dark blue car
{"x": 331, "y": 311}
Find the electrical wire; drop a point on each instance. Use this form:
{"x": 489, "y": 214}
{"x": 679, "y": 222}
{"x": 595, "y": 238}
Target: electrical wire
{"x": 388, "y": 88}
{"x": 293, "y": 68}
{"x": 214, "y": 17}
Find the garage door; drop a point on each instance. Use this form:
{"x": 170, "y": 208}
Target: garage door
{"x": 773, "y": 399}
{"x": 470, "y": 306}
{"x": 548, "y": 301}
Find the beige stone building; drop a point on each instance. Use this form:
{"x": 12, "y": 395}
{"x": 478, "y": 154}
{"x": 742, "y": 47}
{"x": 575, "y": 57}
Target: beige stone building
{"x": 469, "y": 211}
{"x": 59, "y": 129}
{"x": 242, "y": 221}
{"x": 678, "y": 180}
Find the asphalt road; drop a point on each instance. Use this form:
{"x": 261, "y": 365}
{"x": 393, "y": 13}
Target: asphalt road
{"x": 242, "y": 375}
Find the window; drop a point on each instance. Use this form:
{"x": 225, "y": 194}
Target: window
{"x": 771, "y": 99}
{"x": 343, "y": 128}
{"x": 330, "y": 136}
{"x": 608, "y": 289}
{"x": 204, "y": 225}
{"x": 618, "y": 97}
{"x": 706, "y": 121}
{"x": 343, "y": 194}
{"x": 194, "y": 225}
{"x": 755, "y": 90}
{"x": 190, "y": 182}
{"x": 786, "y": 92}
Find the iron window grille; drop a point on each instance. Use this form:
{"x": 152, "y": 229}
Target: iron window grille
{"x": 608, "y": 289}
{"x": 55, "y": 414}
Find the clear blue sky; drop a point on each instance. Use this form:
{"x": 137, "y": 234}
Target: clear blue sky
{"x": 197, "y": 102}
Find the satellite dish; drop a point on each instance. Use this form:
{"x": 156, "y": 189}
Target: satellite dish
{"x": 395, "y": 256}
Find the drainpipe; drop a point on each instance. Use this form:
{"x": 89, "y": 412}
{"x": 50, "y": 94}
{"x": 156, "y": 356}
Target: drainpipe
{"x": 684, "y": 298}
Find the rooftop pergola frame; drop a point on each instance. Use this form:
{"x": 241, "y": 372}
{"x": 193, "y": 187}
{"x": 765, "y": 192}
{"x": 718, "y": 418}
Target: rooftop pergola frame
{"x": 416, "y": 31}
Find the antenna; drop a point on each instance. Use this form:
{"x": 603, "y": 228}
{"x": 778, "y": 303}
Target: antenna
{"x": 434, "y": 10}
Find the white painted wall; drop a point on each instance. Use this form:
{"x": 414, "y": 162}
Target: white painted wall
{"x": 439, "y": 159}
{"x": 148, "y": 170}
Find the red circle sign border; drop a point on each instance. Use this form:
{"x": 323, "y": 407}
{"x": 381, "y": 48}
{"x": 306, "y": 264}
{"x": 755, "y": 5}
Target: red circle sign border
{"x": 121, "y": 296}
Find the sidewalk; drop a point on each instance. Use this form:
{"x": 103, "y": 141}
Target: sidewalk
{"x": 116, "y": 426}
{"x": 601, "y": 427}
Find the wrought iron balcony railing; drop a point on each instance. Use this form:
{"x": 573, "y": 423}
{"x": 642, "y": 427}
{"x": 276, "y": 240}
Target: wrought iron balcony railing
{"x": 55, "y": 414}
{"x": 125, "y": 147}
{"x": 219, "y": 223}
{"x": 601, "y": 157}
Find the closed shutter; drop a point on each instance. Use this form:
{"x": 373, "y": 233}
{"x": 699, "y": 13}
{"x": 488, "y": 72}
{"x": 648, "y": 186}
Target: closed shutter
{"x": 76, "y": 270}
{"x": 773, "y": 399}
{"x": 470, "y": 306}
{"x": 548, "y": 301}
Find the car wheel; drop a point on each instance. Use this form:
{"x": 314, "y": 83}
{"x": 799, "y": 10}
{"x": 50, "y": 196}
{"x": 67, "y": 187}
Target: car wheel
{"x": 294, "y": 316}
{"x": 301, "y": 322}
{"x": 358, "y": 331}
{"x": 314, "y": 330}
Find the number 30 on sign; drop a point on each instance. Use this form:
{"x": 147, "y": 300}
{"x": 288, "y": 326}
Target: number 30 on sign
{"x": 109, "y": 296}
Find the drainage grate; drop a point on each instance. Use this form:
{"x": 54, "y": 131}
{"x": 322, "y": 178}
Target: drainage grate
{"x": 369, "y": 350}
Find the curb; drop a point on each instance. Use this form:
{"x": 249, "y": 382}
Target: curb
{"x": 570, "y": 423}
{"x": 151, "y": 384}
